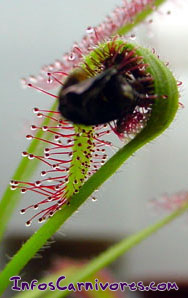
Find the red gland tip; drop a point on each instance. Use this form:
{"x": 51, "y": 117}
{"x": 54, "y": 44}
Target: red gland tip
{"x": 28, "y": 223}
{"x": 29, "y": 137}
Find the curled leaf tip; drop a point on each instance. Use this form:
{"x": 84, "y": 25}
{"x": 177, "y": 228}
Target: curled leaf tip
{"x": 119, "y": 88}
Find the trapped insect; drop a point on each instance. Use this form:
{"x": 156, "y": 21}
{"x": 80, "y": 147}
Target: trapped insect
{"x": 108, "y": 96}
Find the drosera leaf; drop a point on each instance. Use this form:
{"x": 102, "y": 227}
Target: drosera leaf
{"x": 81, "y": 158}
{"x": 163, "y": 112}
{"x": 78, "y": 153}
{"x": 140, "y": 16}
{"x": 24, "y": 171}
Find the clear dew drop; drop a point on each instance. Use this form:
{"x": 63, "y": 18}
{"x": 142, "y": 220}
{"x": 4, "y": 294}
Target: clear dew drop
{"x": 46, "y": 150}
{"x": 59, "y": 202}
{"x": 31, "y": 156}
{"x": 49, "y": 80}
{"x": 24, "y": 154}
{"x": 33, "y": 127}
{"x": 45, "y": 128}
{"x": 37, "y": 183}
{"x": 29, "y": 137}
{"x": 55, "y": 167}
{"x": 39, "y": 115}
{"x": 22, "y": 211}
{"x": 72, "y": 57}
{"x": 35, "y": 110}
{"x": 56, "y": 138}
{"x": 41, "y": 219}
{"x": 43, "y": 173}
{"x": 14, "y": 182}
{"x": 13, "y": 187}
{"x": 28, "y": 223}
{"x": 133, "y": 36}
{"x": 89, "y": 30}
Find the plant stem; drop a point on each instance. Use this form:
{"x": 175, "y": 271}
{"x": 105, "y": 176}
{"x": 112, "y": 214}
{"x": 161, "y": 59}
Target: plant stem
{"x": 106, "y": 257}
{"x": 120, "y": 248}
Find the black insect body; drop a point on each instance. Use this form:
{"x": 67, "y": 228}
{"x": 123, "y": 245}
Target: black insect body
{"x": 107, "y": 96}
{"x": 123, "y": 92}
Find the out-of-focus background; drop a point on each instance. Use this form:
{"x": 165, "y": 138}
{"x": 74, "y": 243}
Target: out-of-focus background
{"x": 34, "y": 33}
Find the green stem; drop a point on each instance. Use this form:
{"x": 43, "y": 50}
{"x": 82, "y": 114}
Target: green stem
{"x": 119, "y": 249}
{"x": 105, "y": 258}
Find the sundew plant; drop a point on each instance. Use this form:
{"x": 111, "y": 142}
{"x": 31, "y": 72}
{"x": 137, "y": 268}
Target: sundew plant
{"x": 107, "y": 85}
